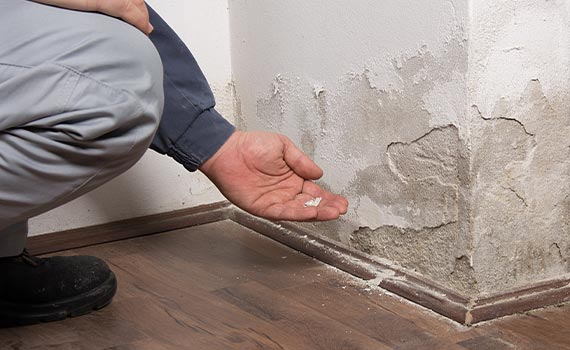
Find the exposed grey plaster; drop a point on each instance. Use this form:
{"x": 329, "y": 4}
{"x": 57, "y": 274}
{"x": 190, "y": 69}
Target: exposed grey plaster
{"x": 308, "y": 141}
{"x": 407, "y": 179}
{"x": 497, "y": 115}
{"x": 426, "y": 251}
{"x": 555, "y": 250}
{"x": 419, "y": 183}
{"x": 433, "y": 155}
{"x": 463, "y": 272}
{"x": 521, "y": 181}
{"x": 322, "y": 108}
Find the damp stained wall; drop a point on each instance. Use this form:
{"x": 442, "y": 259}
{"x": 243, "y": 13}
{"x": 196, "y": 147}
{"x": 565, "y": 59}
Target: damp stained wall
{"x": 445, "y": 123}
{"x": 376, "y": 92}
{"x": 519, "y": 83}
{"x": 157, "y": 184}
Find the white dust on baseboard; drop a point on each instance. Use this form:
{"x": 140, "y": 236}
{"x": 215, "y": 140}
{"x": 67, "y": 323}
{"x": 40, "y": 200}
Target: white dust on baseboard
{"x": 365, "y": 287}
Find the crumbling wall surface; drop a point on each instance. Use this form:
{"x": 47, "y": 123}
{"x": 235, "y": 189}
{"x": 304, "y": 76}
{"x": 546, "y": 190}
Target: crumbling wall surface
{"x": 375, "y": 92}
{"x": 519, "y": 83}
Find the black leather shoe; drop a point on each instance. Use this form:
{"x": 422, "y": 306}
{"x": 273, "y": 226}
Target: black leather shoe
{"x": 34, "y": 290}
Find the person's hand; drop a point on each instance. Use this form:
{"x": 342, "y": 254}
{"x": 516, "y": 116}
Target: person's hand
{"x": 133, "y": 12}
{"x": 266, "y": 175}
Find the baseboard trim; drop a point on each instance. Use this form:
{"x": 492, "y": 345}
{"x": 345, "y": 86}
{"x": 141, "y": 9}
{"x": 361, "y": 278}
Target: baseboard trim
{"x": 130, "y": 228}
{"x": 396, "y": 280}
{"x": 310, "y": 244}
{"x": 548, "y": 293}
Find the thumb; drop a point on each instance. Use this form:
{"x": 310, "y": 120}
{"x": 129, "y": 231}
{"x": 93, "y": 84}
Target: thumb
{"x": 299, "y": 162}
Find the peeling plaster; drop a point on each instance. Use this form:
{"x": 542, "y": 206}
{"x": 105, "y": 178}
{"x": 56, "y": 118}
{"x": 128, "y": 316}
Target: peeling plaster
{"x": 382, "y": 109}
{"x": 420, "y": 189}
{"x": 425, "y": 251}
{"x": 445, "y": 124}
{"x": 402, "y": 167}
{"x": 521, "y": 180}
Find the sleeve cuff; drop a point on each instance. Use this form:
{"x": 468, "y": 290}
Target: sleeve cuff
{"x": 207, "y": 133}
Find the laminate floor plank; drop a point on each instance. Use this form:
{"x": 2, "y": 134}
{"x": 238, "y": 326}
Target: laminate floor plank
{"x": 346, "y": 305}
{"x": 197, "y": 310}
{"x": 312, "y": 329}
{"x": 539, "y": 330}
{"x": 484, "y": 343}
{"x": 223, "y": 286}
{"x": 194, "y": 312}
{"x": 226, "y": 255}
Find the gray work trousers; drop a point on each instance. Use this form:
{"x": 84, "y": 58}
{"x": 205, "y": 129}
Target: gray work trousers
{"x": 81, "y": 96}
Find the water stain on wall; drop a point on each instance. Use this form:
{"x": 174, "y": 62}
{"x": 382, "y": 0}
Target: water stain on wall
{"x": 405, "y": 178}
{"x": 521, "y": 183}
{"x": 420, "y": 184}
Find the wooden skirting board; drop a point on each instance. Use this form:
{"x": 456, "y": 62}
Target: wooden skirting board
{"x": 398, "y": 281}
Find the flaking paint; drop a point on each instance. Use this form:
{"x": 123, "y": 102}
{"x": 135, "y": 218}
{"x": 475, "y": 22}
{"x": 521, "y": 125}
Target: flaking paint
{"x": 381, "y": 110}
{"x": 443, "y": 122}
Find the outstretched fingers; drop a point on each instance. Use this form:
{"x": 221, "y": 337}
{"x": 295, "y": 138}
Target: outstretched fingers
{"x": 305, "y": 168}
{"x": 295, "y": 210}
{"x": 329, "y": 199}
{"x": 304, "y": 207}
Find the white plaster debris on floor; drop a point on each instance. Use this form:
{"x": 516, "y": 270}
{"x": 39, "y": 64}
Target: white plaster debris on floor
{"x": 371, "y": 288}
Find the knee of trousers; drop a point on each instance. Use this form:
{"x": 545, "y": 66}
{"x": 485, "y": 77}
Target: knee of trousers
{"x": 120, "y": 78}
{"x": 140, "y": 76}
{"x": 91, "y": 91}
{"x": 133, "y": 66}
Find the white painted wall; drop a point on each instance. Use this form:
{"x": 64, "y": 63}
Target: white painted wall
{"x": 355, "y": 83}
{"x": 157, "y": 184}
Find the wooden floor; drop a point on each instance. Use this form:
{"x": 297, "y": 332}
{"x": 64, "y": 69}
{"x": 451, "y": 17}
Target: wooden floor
{"x": 221, "y": 286}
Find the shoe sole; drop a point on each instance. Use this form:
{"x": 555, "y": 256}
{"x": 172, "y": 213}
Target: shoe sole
{"x": 13, "y": 315}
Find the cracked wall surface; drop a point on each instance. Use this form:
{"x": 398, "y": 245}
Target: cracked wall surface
{"x": 521, "y": 184}
{"x": 445, "y": 124}
{"x": 381, "y": 114}
{"x": 519, "y": 88}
